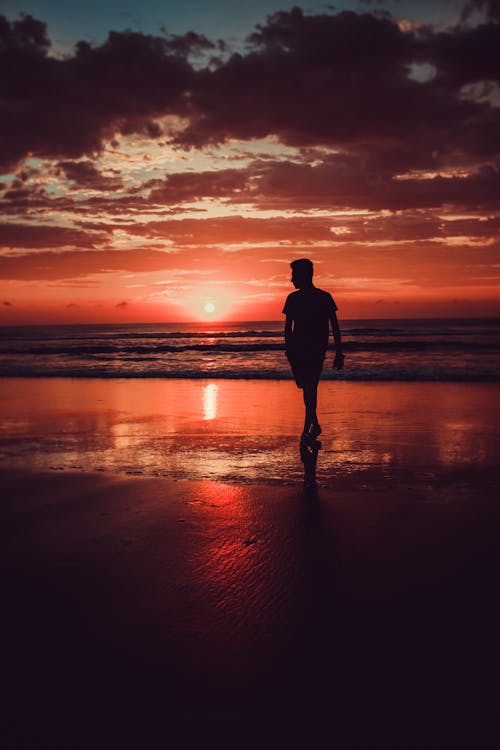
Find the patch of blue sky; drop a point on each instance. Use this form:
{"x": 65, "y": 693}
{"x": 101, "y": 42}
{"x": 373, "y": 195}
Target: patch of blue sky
{"x": 422, "y": 72}
{"x": 71, "y": 20}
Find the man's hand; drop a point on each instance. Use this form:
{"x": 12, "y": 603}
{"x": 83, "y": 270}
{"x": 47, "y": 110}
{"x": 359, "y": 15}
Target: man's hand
{"x": 338, "y": 362}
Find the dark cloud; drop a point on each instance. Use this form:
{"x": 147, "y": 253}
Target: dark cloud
{"x": 417, "y": 225}
{"x": 490, "y": 8}
{"x": 343, "y": 182}
{"x": 188, "y": 186}
{"x": 67, "y": 107}
{"x": 6, "y": 303}
{"x": 344, "y": 80}
{"x": 25, "y": 35}
{"x": 42, "y": 236}
{"x": 36, "y": 200}
{"x": 336, "y": 80}
{"x": 465, "y": 55}
{"x": 233, "y": 229}
{"x": 191, "y": 43}
{"x": 122, "y": 305}
{"x": 18, "y": 196}
{"x": 74, "y": 264}
{"x": 85, "y": 175}
{"x": 340, "y": 181}
{"x": 275, "y": 236}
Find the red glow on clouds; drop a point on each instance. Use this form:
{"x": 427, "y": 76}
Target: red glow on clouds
{"x": 182, "y": 192}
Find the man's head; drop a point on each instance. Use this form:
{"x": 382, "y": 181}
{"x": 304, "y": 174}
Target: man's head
{"x": 302, "y": 272}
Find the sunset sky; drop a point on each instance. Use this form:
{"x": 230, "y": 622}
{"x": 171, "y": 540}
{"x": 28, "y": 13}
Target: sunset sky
{"x": 165, "y": 161}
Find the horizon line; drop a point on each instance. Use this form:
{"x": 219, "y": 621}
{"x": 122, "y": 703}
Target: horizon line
{"x": 206, "y": 323}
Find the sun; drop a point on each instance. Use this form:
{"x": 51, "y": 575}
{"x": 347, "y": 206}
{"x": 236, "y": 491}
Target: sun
{"x": 209, "y": 305}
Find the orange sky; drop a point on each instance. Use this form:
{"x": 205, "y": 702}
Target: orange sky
{"x": 162, "y": 211}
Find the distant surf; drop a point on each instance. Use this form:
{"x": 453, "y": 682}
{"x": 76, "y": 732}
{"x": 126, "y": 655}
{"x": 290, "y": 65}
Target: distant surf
{"x": 463, "y": 350}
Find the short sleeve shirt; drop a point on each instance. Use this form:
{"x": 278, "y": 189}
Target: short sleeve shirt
{"x": 310, "y": 310}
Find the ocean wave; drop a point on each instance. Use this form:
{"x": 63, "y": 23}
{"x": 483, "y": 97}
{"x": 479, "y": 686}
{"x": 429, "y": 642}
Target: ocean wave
{"x": 464, "y": 351}
{"x": 77, "y": 333}
{"x": 118, "y": 349}
{"x": 44, "y": 334}
{"x": 121, "y": 350}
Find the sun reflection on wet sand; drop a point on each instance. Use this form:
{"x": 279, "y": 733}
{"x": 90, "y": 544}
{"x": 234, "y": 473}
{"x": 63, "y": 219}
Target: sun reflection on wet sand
{"x": 210, "y": 401}
{"x": 244, "y": 430}
{"x": 238, "y": 565}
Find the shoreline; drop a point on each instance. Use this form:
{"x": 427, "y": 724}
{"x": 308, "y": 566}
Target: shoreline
{"x": 326, "y": 377}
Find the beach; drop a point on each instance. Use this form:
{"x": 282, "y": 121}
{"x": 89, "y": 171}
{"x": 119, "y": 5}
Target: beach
{"x": 245, "y": 430}
{"x": 207, "y": 204}
{"x": 217, "y": 585}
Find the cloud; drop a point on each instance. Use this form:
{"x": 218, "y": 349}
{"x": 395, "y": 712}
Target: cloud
{"x": 6, "y": 303}
{"x": 122, "y": 305}
{"x": 75, "y": 264}
{"x": 301, "y": 231}
{"x": 348, "y": 182}
{"x": 490, "y": 9}
{"x": 84, "y": 174}
{"x": 340, "y": 181}
{"x": 466, "y": 55}
{"x": 191, "y": 43}
{"x": 318, "y": 138}
{"x": 234, "y": 229}
{"x": 190, "y": 186}
{"x": 335, "y": 79}
{"x": 342, "y": 80}
{"x": 42, "y": 236}
{"x": 68, "y": 107}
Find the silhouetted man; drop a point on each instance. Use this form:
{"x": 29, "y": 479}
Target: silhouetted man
{"x": 309, "y": 314}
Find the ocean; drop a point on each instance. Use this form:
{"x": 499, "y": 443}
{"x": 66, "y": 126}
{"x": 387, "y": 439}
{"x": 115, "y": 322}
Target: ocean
{"x": 461, "y": 350}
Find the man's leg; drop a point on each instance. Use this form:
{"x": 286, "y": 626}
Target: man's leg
{"x": 310, "y": 391}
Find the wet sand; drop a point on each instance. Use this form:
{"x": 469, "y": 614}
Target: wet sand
{"x": 368, "y": 606}
{"x": 245, "y": 431}
{"x": 364, "y": 606}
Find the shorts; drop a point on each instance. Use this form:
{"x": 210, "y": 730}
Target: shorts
{"x": 306, "y": 366}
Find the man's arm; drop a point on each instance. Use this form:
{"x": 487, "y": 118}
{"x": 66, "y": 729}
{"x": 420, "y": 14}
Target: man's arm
{"x": 288, "y": 331}
{"x": 338, "y": 362}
